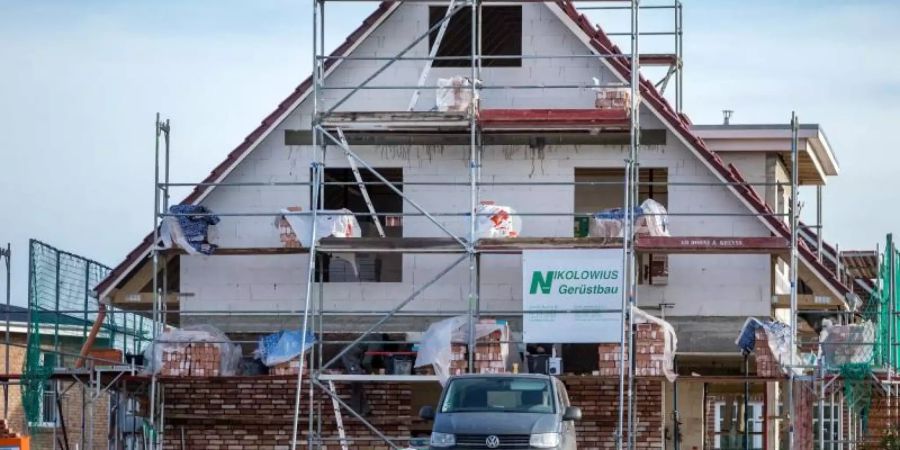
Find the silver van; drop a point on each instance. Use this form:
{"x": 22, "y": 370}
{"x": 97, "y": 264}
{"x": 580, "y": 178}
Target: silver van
{"x": 503, "y": 412}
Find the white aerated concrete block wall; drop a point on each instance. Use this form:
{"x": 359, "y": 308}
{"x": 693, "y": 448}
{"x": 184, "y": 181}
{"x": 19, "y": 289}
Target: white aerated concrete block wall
{"x": 698, "y": 285}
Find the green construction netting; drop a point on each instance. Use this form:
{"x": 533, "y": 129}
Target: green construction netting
{"x": 888, "y": 308}
{"x": 856, "y": 351}
{"x": 62, "y": 308}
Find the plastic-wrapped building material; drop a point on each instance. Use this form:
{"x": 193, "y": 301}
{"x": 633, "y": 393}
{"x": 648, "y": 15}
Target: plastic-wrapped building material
{"x": 779, "y": 341}
{"x": 612, "y": 97}
{"x": 844, "y": 345}
{"x": 651, "y": 218}
{"x": 495, "y": 221}
{"x": 179, "y": 345}
{"x": 195, "y": 234}
{"x": 610, "y": 223}
{"x": 453, "y": 94}
{"x": 339, "y": 223}
{"x": 435, "y": 345}
{"x": 670, "y": 341}
{"x": 654, "y": 219}
{"x": 283, "y": 346}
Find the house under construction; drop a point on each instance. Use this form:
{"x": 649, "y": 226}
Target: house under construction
{"x": 506, "y": 172}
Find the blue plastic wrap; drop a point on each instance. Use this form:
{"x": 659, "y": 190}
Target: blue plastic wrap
{"x": 283, "y": 346}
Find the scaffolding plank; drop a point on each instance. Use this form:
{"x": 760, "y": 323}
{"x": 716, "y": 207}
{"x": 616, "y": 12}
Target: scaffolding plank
{"x": 643, "y": 244}
{"x": 396, "y": 120}
{"x": 489, "y": 138}
{"x": 712, "y": 244}
{"x": 658, "y": 59}
{"x": 379, "y": 378}
{"x": 244, "y": 251}
{"x": 554, "y": 118}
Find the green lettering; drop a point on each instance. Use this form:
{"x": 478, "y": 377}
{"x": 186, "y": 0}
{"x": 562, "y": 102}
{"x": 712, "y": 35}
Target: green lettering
{"x": 544, "y": 283}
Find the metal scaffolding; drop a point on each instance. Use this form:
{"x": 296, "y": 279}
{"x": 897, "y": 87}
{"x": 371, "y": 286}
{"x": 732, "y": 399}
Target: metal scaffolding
{"x": 327, "y": 130}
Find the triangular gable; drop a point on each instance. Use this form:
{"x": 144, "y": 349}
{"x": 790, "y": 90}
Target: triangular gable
{"x": 598, "y": 41}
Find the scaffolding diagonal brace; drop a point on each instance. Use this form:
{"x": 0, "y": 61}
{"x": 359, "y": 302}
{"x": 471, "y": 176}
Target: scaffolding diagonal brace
{"x": 393, "y": 187}
{"x": 338, "y": 417}
{"x": 359, "y": 182}
{"x": 432, "y": 54}
{"x": 334, "y": 396}
{"x": 388, "y": 64}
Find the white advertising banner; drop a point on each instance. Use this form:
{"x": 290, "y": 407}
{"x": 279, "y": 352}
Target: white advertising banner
{"x": 555, "y": 281}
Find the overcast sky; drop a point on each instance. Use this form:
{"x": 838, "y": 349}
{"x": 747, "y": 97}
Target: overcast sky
{"x": 80, "y": 83}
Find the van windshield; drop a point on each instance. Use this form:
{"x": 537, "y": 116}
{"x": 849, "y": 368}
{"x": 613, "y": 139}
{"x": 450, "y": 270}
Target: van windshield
{"x": 498, "y": 394}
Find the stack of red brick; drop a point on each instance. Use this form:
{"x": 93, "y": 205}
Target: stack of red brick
{"x": 491, "y": 352}
{"x": 291, "y": 367}
{"x": 286, "y": 232}
{"x": 198, "y": 359}
{"x": 613, "y": 98}
{"x": 459, "y": 362}
{"x": 766, "y": 364}
{"x": 650, "y": 353}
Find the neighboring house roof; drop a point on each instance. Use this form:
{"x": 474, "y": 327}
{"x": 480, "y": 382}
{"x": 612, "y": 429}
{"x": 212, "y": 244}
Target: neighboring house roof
{"x": 600, "y": 42}
{"x": 46, "y": 323}
{"x": 814, "y": 133}
{"x": 19, "y": 315}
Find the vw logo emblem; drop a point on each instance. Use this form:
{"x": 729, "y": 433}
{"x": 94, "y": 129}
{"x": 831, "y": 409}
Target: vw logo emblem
{"x": 492, "y": 441}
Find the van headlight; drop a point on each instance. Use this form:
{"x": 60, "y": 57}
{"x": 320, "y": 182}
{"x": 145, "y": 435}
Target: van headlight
{"x": 544, "y": 440}
{"x": 442, "y": 440}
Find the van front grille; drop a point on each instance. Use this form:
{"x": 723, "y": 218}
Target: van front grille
{"x": 478, "y": 441}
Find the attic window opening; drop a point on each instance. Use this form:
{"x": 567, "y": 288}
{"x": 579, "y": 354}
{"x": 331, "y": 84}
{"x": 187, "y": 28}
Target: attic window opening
{"x": 370, "y": 267}
{"x": 501, "y": 35}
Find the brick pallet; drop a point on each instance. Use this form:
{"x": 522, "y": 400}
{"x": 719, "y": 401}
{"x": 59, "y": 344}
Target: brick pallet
{"x": 286, "y": 232}
{"x": 613, "y": 98}
{"x": 650, "y": 358}
{"x": 459, "y": 362}
{"x": 491, "y": 353}
{"x": 200, "y": 359}
{"x": 291, "y": 367}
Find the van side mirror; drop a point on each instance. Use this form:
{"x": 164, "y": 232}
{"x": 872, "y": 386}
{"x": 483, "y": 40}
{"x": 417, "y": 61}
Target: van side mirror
{"x": 427, "y": 412}
{"x": 572, "y": 413}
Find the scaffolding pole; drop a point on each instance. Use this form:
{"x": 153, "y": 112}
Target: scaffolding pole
{"x": 794, "y": 218}
{"x": 6, "y": 256}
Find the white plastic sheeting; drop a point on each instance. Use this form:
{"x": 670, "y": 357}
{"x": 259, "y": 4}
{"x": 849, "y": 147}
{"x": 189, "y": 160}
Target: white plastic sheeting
{"x": 778, "y": 335}
{"x": 651, "y": 218}
{"x": 671, "y": 340}
{"x": 435, "y": 346}
{"x": 453, "y": 94}
{"x": 230, "y": 354}
{"x": 495, "y": 221}
{"x": 339, "y": 223}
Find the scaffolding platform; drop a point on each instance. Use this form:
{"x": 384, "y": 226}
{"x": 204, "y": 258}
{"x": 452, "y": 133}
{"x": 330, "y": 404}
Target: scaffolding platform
{"x": 487, "y": 119}
{"x": 643, "y": 244}
{"x": 397, "y": 120}
{"x": 544, "y": 119}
